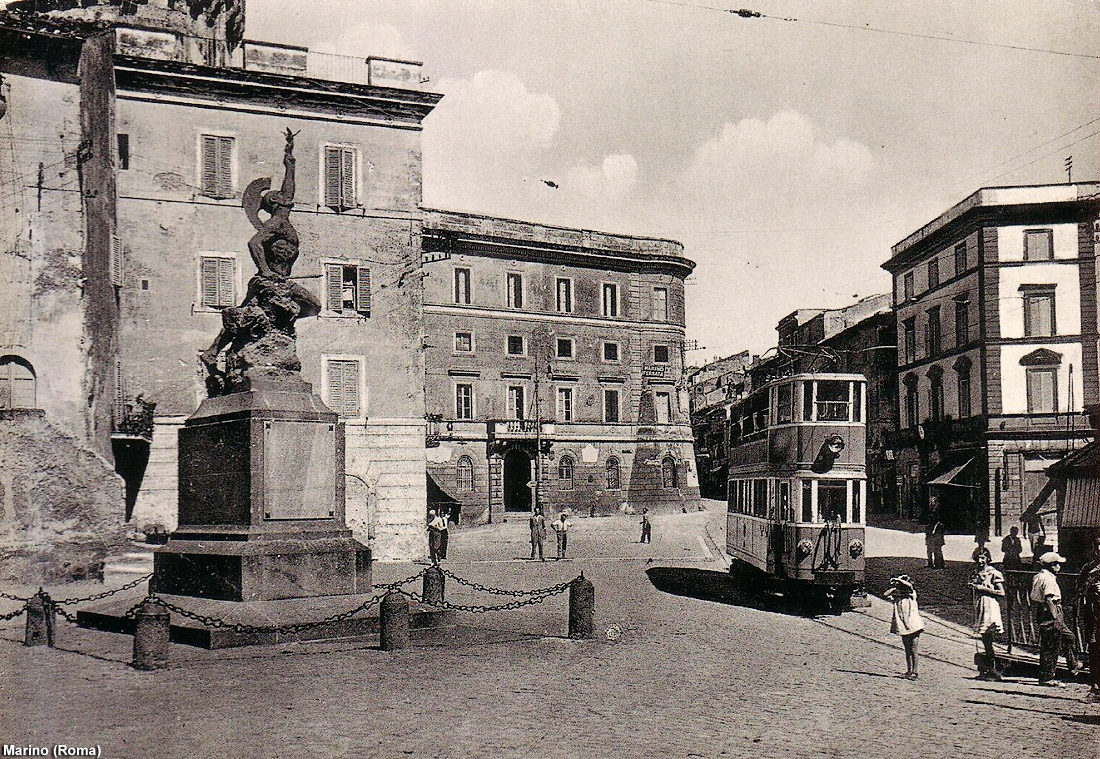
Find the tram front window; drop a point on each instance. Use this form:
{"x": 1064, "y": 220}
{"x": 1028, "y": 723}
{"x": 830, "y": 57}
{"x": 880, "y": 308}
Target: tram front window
{"x": 832, "y": 500}
{"x": 833, "y": 401}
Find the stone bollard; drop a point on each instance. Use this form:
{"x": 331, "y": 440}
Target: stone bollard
{"x": 434, "y": 583}
{"x": 41, "y": 616}
{"x": 582, "y": 602}
{"x": 394, "y": 622}
{"x": 151, "y": 631}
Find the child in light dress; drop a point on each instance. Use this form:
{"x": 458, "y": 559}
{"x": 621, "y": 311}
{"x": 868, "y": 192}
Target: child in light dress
{"x": 906, "y": 621}
{"x": 988, "y": 585}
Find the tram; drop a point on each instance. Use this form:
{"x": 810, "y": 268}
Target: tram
{"x": 797, "y": 487}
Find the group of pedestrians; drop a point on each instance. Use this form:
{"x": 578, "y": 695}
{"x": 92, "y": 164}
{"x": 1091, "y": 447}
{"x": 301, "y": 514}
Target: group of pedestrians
{"x": 561, "y": 527}
{"x": 988, "y": 586}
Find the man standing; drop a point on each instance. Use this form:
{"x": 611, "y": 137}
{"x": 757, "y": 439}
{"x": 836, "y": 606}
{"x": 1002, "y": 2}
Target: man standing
{"x": 561, "y": 527}
{"x": 444, "y": 533}
{"x": 435, "y": 535}
{"x": 647, "y": 528}
{"x": 1012, "y": 548}
{"x": 537, "y": 522}
{"x": 1054, "y": 635}
{"x": 933, "y": 539}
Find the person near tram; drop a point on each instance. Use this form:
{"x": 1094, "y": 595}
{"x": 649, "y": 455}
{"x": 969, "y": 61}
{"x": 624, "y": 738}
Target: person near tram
{"x": 561, "y": 528}
{"x": 1054, "y": 634}
{"x": 537, "y": 523}
{"x": 906, "y": 620}
{"x": 1089, "y": 595}
{"x": 988, "y": 585}
{"x": 436, "y": 524}
{"x": 934, "y": 538}
{"x": 1013, "y": 548}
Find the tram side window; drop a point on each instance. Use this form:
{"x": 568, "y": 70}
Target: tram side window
{"x": 735, "y": 431}
{"x": 833, "y": 401}
{"x": 785, "y": 501}
{"x": 760, "y": 498}
{"x": 807, "y": 501}
{"x": 832, "y": 500}
{"x": 857, "y": 402}
{"x": 807, "y": 402}
{"x": 856, "y": 501}
{"x": 784, "y": 404}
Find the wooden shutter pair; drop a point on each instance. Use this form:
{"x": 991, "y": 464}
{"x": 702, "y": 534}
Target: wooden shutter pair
{"x": 218, "y": 275}
{"x": 217, "y": 166}
{"x": 343, "y": 387}
{"x": 340, "y": 178}
{"x": 334, "y": 288}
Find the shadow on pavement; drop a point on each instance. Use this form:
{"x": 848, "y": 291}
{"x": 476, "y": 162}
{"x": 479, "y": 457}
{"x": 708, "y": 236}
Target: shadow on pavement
{"x": 719, "y": 587}
{"x": 1085, "y": 719}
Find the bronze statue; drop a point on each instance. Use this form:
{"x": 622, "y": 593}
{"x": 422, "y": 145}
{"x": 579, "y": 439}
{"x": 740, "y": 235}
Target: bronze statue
{"x": 259, "y": 333}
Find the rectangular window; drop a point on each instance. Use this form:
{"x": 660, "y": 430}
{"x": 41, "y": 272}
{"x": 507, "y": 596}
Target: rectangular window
{"x": 347, "y": 288}
{"x": 784, "y": 404}
{"x": 217, "y": 166}
{"x": 464, "y": 342}
{"x": 960, "y": 258}
{"x": 933, "y": 273}
{"x": 515, "y": 402}
{"x": 1038, "y": 245}
{"x": 610, "y": 299}
{"x": 833, "y": 401}
{"x": 857, "y": 501}
{"x": 660, "y": 354}
{"x": 1042, "y": 390}
{"x": 611, "y": 352}
{"x": 1038, "y": 312}
{"x": 565, "y": 296}
{"x": 464, "y": 401}
{"x": 565, "y": 404}
{"x": 909, "y": 341}
{"x": 123, "y": 151}
{"x": 932, "y": 332}
{"x": 462, "y": 286}
{"x": 514, "y": 286}
{"x": 565, "y": 347}
{"x": 962, "y": 323}
{"x": 807, "y": 500}
{"x": 342, "y": 384}
{"x": 516, "y": 345}
{"x": 832, "y": 500}
{"x": 660, "y": 304}
{"x": 911, "y": 408}
{"x": 340, "y": 174}
{"x": 663, "y": 402}
{"x": 907, "y": 288}
{"x": 610, "y": 405}
{"x": 218, "y": 275}
{"x": 964, "y": 392}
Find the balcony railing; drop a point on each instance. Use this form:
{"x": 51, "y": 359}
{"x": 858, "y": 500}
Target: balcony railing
{"x": 134, "y": 419}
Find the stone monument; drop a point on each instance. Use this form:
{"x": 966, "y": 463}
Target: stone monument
{"x": 261, "y": 462}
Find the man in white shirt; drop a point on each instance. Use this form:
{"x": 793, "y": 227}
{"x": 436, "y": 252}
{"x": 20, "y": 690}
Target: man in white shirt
{"x": 436, "y": 525}
{"x": 561, "y": 527}
{"x": 1054, "y": 635}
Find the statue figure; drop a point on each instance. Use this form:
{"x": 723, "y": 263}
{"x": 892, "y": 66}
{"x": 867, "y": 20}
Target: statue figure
{"x": 259, "y": 333}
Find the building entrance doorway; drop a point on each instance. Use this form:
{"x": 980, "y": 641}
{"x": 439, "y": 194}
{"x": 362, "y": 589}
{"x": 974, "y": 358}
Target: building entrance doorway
{"x": 517, "y": 473}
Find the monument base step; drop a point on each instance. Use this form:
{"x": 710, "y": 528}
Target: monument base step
{"x": 266, "y": 620}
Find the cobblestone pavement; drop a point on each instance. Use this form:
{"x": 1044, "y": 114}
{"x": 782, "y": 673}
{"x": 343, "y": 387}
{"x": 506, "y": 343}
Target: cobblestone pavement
{"x": 699, "y": 671}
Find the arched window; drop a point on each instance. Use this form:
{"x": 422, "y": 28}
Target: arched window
{"x": 565, "y": 473}
{"x": 668, "y": 472}
{"x": 17, "y": 383}
{"x": 613, "y": 474}
{"x": 465, "y": 475}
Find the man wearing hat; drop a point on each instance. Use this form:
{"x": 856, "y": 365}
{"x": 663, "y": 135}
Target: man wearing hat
{"x": 1054, "y": 634}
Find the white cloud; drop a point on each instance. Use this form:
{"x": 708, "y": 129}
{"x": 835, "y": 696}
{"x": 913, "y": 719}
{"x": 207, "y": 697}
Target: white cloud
{"x": 611, "y": 179}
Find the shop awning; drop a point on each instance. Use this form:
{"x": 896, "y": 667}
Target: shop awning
{"x": 948, "y": 477}
{"x": 1082, "y": 506}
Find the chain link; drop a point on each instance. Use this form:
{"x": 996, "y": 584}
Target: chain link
{"x": 537, "y": 597}
{"x": 503, "y": 592}
{"x": 14, "y": 598}
{"x": 12, "y": 615}
{"x": 106, "y": 593}
{"x": 406, "y": 581}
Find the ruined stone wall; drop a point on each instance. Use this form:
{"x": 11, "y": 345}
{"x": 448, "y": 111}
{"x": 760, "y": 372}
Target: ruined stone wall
{"x": 62, "y": 504}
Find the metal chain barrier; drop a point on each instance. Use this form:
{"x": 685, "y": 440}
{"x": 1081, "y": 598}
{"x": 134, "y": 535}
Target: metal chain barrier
{"x": 106, "y": 593}
{"x": 534, "y": 597}
{"x": 13, "y": 615}
{"x": 14, "y": 598}
{"x": 406, "y": 581}
{"x": 553, "y": 589}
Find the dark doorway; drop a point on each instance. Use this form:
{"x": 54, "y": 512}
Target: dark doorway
{"x": 517, "y": 473}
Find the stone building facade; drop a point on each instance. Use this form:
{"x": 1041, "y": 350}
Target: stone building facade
{"x": 712, "y": 389}
{"x": 554, "y": 356}
{"x": 131, "y": 132}
{"x": 996, "y": 311}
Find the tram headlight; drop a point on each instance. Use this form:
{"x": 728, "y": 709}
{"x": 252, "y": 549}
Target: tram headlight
{"x": 804, "y": 548}
{"x": 855, "y": 548}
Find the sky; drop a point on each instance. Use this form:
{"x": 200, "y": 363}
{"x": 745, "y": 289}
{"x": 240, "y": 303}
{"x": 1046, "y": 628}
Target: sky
{"x": 787, "y": 155}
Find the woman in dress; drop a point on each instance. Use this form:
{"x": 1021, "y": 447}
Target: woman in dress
{"x": 988, "y": 585}
{"x": 906, "y": 621}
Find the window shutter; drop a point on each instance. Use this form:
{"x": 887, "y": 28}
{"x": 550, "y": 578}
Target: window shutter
{"x": 120, "y": 394}
{"x": 225, "y": 167}
{"x": 334, "y": 287}
{"x": 209, "y": 165}
{"x": 209, "y": 284}
{"x": 226, "y": 276}
{"x": 116, "y": 261}
{"x": 332, "y": 177}
{"x": 363, "y": 290}
{"x": 347, "y": 178}
{"x": 351, "y": 389}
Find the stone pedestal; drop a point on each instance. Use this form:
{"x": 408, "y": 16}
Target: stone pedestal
{"x": 261, "y": 500}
